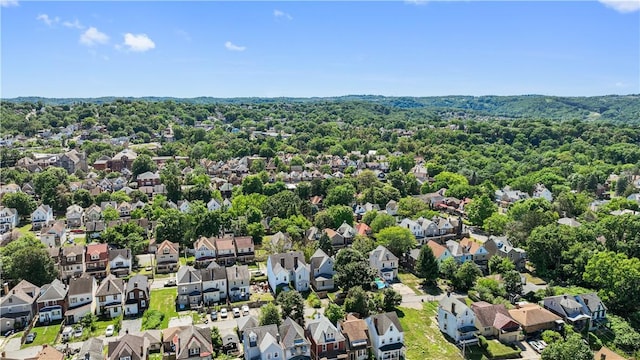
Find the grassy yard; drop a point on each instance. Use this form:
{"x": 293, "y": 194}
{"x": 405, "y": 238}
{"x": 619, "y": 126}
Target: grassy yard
{"x": 412, "y": 281}
{"x": 423, "y": 339}
{"x": 101, "y": 326}
{"x": 534, "y": 280}
{"x": 163, "y": 300}
{"x": 25, "y": 229}
{"x": 45, "y": 335}
{"x": 262, "y": 297}
{"x": 496, "y": 349}
{"x": 190, "y": 259}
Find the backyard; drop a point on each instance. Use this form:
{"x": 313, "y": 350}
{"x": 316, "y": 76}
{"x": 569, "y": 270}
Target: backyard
{"x": 423, "y": 339}
{"x": 412, "y": 281}
{"x": 45, "y": 335}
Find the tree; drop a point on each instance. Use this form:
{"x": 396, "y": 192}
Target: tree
{"x": 390, "y": 299}
{"x": 382, "y": 221}
{"x": 22, "y": 202}
{"x": 88, "y": 321}
{"x": 252, "y": 184}
{"x": 83, "y": 198}
{"x": 427, "y": 265}
{"x": 340, "y": 214}
{"x": 466, "y": 276}
{"x": 142, "y": 164}
{"x": 500, "y": 265}
{"x": 172, "y": 226}
{"x": 618, "y": 279}
{"x": 369, "y": 216}
{"x": 512, "y": 281}
{"x": 120, "y": 196}
{"x": 410, "y": 206}
{"x": 352, "y": 269}
{"x": 283, "y": 205}
{"x": 292, "y": 305}
{"x": 110, "y": 214}
{"x": 171, "y": 178}
{"x": 340, "y": 195}
{"x": 324, "y": 244}
{"x": 27, "y": 259}
{"x": 334, "y": 313}
{"x": 357, "y": 301}
{"x": 495, "y": 224}
{"x": 397, "y": 239}
{"x": 545, "y": 247}
{"x": 480, "y": 209}
{"x": 216, "y": 339}
{"x": 573, "y": 348}
{"x": 363, "y": 244}
{"x": 269, "y": 314}
{"x": 45, "y": 184}
{"x": 449, "y": 268}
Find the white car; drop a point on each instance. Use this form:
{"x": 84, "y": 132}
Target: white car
{"x": 236, "y": 312}
{"x": 77, "y": 332}
{"x": 245, "y": 309}
{"x": 223, "y": 313}
{"x": 110, "y": 330}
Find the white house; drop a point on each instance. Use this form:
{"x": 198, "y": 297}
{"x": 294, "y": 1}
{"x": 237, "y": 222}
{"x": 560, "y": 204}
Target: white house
{"x": 42, "y": 215}
{"x": 8, "y": 219}
{"x": 238, "y": 282}
{"x": 213, "y": 205}
{"x": 109, "y": 296}
{"x": 413, "y": 226}
{"x": 457, "y": 320}
{"x": 321, "y": 267}
{"x": 184, "y": 206}
{"x": 205, "y": 250}
{"x": 75, "y": 216}
{"x": 82, "y": 294}
{"x": 18, "y": 306}
{"x": 262, "y": 343}
{"x": 387, "y": 336}
{"x": 541, "y": 191}
{"x": 120, "y": 262}
{"x": 392, "y": 207}
{"x": 52, "y": 301}
{"x": 385, "y": 263}
{"x": 214, "y": 283}
{"x": 286, "y": 268}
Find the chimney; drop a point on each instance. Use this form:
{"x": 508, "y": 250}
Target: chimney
{"x": 282, "y": 262}
{"x": 295, "y": 262}
{"x": 135, "y": 284}
{"x": 603, "y": 356}
{"x": 5, "y": 287}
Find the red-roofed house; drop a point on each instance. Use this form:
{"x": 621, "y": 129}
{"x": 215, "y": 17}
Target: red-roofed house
{"x": 363, "y": 229}
{"x": 494, "y": 320}
{"x": 96, "y": 260}
{"x": 439, "y": 251}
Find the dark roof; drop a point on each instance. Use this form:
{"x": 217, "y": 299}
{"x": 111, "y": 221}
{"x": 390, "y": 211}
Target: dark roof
{"x": 81, "y": 285}
{"x": 125, "y": 253}
{"x": 129, "y": 345}
{"x": 493, "y": 315}
{"x": 110, "y": 286}
{"x": 390, "y": 347}
{"x": 382, "y": 322}
{"x": 138, "y": 281}
{"x": 292, "y": 334}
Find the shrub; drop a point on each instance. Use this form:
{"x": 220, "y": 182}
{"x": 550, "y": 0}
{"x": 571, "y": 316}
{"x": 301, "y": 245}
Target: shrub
{"x": 550, "y": 336}
{"x": 483, "y": 342}
{"x": 594, "y": 342}
{"x": 314, "y": 301}
{"x": 152, "y": 319}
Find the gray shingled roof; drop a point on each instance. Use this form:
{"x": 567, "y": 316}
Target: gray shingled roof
{"x": 382, "y": 322}
{"x": 292, "y": 334}
{"x": 110, "y": 286}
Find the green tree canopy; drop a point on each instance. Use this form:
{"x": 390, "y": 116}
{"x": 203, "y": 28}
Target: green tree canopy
{"x": 397, "y": 239}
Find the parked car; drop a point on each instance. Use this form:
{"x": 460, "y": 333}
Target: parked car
{"x": 223, "y": 313}
{"x": 245, "y": 309}
{"x": 214, "y": 315}
{"x": 536, "y": 346}
{"x": 236, "y": 312}
{"x": 9, "y": 333}
{"x": 67, "y": 332}
{"x": 110, "y": 330}
{"x": 148, "y": 268}
{"x": 77, "y": 332}
{"x": 30, "y": 337}
{"x": 170, "y": 282}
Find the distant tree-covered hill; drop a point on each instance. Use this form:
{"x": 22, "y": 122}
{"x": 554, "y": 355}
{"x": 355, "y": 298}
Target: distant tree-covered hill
{"x": 616, "y": 108}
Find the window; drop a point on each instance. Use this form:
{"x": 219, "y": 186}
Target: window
{"x": 131, "y": 295}
{"x": 324, "y": 347}
{"x": 74, "y": 300}
{"x": 194, "y": 351}
{"x": 275, "y": 355}
{"x": 95, "y": 257}
{"x": 143, "y": 303}
{"x": 125, "y": 358}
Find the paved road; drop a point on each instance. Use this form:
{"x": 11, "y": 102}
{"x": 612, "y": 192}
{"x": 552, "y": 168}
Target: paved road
{"x": 132, "y": 325}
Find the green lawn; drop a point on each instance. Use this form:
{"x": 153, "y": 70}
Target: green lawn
{"x": 534, "y": 280}
{"x": 46, "y": 335}
{"x": 262, "y": 297}
{"x": 422, "y": 337}
{"x": 191, "y": 259}
{"x": 25, "y": 229}
{"x": 101, "y": 326}
{"x": 164, "y": 300}
{"x": 496, "y": 349}
{"x": 412, "y": 281}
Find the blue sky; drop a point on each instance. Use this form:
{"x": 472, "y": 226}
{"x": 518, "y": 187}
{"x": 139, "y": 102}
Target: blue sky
{"x": 302, "y": 49}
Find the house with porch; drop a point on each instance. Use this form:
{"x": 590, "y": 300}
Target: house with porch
{"x": 245, "y": 249}
{"x": 214, "y": 283}
{"x": 327, "y": 342}
{"x": 321, "y": 268}
{"x": 8, "y": 219}
{"x": 167, "y": 257}
{"x": 18, "y": 306}
{"x": 357, "y": 339}
{"x": 205, "y": 251}
{"x": 495, "y": 321}
{"x": 533, "y": 318}
{"x": 387, "y": 336}
{"x": 384, "y": 262}
{"x": 53, "y": 234}
{"x": 457, "y": 320}
{"x": 109, "y": 297}
{"x": 238, "y": 282}
{"x": 262, "y": 343}
{"x": 82, "y": 298}
{"x": 578, "y": 310}
{"x": 189, "y": 282}
{"x": 288, "y": 269}
{"x": 41, "y": 216}
{"x": 225, "y": 251}
{"x": 120, "y": 261}
{"x": 52, "y": 302}
{"x": 96, "y": 260}
{"x": 75, "y": 216}
{"x": 293, "y": 341}
{"x": 71, "y": 261}
{"x": 136, "y": 295}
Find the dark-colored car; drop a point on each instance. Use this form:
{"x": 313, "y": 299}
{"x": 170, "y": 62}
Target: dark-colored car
{"x": 214, "y": 315}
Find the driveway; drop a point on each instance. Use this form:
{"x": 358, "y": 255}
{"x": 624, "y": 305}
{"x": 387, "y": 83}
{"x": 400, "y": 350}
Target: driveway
{"x": 132, "y": 325}
{"x": 527, "y": 352}
{"x": 13, "y": 344}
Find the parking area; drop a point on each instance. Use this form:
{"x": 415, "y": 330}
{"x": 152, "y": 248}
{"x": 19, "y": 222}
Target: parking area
{"x": 528, "y": 353}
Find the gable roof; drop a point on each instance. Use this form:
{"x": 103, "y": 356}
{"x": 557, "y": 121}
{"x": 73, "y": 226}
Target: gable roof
{"x": 319, "y": 328}
{"x": 129, "y": 345}
{"x": 354, "y": 329}
{"x": 81, "y": 285}
{"x": 493, "y": 315}
{"x": 382, "y": 322}
{"x": 137, "y": 282}
{"x": 93, "y": 347}
{"x": 243, "y": 242}
{"x": 437, "y": 249}
{"x": 124, "y": 253}
{"x": 289, "y": 260}
{"x": 173, "y": 247}
{"x": 204, "y": 242}
{"x": 110, "y": 286}
{"x": 56, "y": 290}
{"x": 188, "y": 274}
{"x": 238, "y": 272}
{"x": 24, "y": 290}
{"x": 381, "y": 253}
{"x": 292, "y": 334}
{"x": 529, "y": 314}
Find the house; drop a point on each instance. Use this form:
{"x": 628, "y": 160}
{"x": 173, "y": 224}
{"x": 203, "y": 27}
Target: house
{"x": 337, "y": 240}
{"x": 245, "y": 250}
{"x": 136, "y": 295}
{"x": 569, "y": 222}
{"x": 288, "y": 269}
{"x": 92, "y": 349}
{"x": 457, "y": 320}
{"x": 214, "y": 283}
{"x": 148, "y": 179}
{"x": 230, "y": 343}
{"x": 187, "y": 342}
{"x": 124, "y": 209}
{"x": 363, "y": 229}
{"x": 507, "y": 196}
{"x": 500, "y": 246}
{"x": 205, "y": 251}
{"x": 73, "y": 161}
{"x": 189, "y": 282}
{"x": 238, "y": 282}
{"x": 167, "y": 257}
{"x": 261, "y": 343}
{"x": 348, "y": 233}
{"x": 246, "y": 322}
{"x": 8, "y": 219}
{"x": 541, "y": 191}
{"x": 357, "y": 339}
{"x": 534, "y": 318}
{"x": 327, "y": 342}
{"x": 460, "y": 253}
{"x": 213, "y": 205}
{"x": 321, "y": 268}
{"x": 439, "y": 251}
{"x": 96, "y": 260}
{"x": 93, "y": 213}
{"x": 392, "y": 208}
{"x": 577, "y": 310}
{"x": 384, "y": 262}
{"x": 293, "y": 341}
{"x": 71, "y": 261}
{"x": 52, "y": 302}
{"x": 479, "y": 254}
{"x": 109, "y": 296}
{"x": 120, "y": 262}
{"x": 154, "y": 337}
{"x": 413, "y": 226}
{"x": 41, "y": 216}
{"x": 128, "y": 347}
{"x": 495, "y": 321}
{"x": 49, "y": 353}
{"x": 122, "y": 160}
{"x": 226, "y": 251}
{"x": 387, "y": 336}
{"x": 53, "y": 234}
{"x": 82, "y": 298}
{"x": 606, "y": 354}
{"x": 18, "y": 306}
{"x": 184, "y": 206}
{"x": 75, "y": 216}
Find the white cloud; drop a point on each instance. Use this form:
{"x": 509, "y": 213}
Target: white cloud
{"x": 623, "y": 6}
{"x": 47, "y": 20}
{"x": 281, "y": 14}
{"x": 93, "y": 36}
{"x": 139, "y": 42}
{"x": 8, "y": 3}
{"x": 74, "y": 25}
{"x": 416, "y": 2}
{"x": 233, "y": 47}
